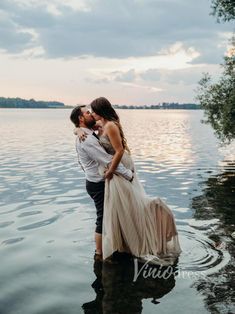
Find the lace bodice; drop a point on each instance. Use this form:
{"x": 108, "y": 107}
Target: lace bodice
{"x": 126, "y": 158}
{"x": 105, "y": 142}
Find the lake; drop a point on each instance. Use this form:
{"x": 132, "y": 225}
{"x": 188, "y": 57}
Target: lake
{"x": 47, "y": 219}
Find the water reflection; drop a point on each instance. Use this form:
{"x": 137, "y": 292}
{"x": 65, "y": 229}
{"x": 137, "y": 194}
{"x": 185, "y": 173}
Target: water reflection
{"x": 218, "y": 197}
{"x": 118, "y": 290}
{"x": 217, "y": 200}
{"x": 159, "y": 136}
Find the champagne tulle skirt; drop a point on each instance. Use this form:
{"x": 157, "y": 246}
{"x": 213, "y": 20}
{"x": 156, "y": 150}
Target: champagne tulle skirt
{"x": 135, "y": 223}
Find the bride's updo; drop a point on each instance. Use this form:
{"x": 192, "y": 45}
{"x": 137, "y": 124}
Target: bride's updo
{"x": 103, "y": 108}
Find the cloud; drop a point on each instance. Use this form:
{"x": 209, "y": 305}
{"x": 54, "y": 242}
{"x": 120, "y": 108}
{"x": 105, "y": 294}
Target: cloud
{"x": 163, "y": 79}
{"x": 188, "y": 76}
{"x": 110, "y": 29}
{"x": 128, "y": 76}
{"x": 12, "y": 37}
{"x": 148, "y": 88}
{"x": 133, "y": 51}
{"x": 52, "y": 6}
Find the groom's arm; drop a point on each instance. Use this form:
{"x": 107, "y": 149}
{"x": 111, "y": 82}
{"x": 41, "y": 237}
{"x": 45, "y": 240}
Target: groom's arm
{"x": 96, "y": 152}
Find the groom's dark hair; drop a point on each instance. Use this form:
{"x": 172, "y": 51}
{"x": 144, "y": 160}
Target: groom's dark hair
{"x": 76, "y": 114}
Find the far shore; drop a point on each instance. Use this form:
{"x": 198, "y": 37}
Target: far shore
{"x": 19, "y": 103}
{"x": 118, "y": 108}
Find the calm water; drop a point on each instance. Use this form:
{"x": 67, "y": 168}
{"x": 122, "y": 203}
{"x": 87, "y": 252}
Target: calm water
{"x": 47, "y": 218}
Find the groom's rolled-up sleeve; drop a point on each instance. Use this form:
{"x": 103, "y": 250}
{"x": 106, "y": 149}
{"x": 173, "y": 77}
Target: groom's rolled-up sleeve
{"x": 96, "y": 152}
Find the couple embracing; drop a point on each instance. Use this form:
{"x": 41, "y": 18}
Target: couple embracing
{"x": 127, "y": 219}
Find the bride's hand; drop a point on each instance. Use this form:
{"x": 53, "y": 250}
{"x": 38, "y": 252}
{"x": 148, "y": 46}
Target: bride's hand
{"x": 108, "y": 174}
{"x": 81, "y": 134}
{"x": 98, "y": 127}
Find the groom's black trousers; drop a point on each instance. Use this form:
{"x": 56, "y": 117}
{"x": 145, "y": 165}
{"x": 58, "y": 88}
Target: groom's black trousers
{"x": 96, "y": 192}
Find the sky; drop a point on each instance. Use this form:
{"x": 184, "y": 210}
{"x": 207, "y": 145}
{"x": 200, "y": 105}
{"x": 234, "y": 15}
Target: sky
{"x": 134, "y": 52}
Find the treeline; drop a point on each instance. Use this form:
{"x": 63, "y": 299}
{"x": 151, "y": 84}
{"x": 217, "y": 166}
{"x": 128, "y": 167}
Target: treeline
{"x": 163, "y": 105}
{"x": 22, "y": 103}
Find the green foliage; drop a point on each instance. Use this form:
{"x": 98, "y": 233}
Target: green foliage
{"x": 224, "y": 10}
{"x": 218, "y": 101}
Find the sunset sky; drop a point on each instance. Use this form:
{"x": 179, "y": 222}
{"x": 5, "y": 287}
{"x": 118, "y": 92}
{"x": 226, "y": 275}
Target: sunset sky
{"x": 133, "y": 52}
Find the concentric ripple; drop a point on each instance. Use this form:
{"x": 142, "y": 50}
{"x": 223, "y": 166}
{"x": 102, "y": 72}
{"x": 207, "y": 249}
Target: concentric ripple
{"x": 200, "y": 253}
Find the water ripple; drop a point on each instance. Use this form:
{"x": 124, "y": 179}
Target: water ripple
{"x": 200, "y": 253}
{"x": 6, "y": 223}
{"x": 12, "y": 241}
{"x": 39, "y": 224}
{"x": 25, "y": 214}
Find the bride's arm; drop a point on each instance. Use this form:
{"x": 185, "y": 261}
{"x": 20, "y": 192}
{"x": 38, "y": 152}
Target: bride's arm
{"x": 113, "y": 133}
{"x": 80, "y": 133}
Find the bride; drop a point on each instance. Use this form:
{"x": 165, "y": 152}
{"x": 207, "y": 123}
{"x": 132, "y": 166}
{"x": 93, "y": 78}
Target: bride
{"x": 132, "y": 221}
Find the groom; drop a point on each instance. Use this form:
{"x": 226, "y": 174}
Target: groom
{"x": 90, "y": 155}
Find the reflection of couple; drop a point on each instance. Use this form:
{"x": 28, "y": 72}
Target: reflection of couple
{"x": 117, "y": 293}
{"x": 127, "y": 219}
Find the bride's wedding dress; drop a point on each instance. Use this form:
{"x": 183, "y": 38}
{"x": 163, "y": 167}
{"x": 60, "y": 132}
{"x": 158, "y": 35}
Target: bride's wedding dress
{"x": 132, "y": 221}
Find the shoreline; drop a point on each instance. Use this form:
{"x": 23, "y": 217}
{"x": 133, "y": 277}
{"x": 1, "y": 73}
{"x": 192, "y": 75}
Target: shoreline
{"x": 68, "y": 107}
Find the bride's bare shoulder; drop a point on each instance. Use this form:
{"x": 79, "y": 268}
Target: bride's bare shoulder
{"x": 111, "y": 125}
{"x": 111, "y": 128}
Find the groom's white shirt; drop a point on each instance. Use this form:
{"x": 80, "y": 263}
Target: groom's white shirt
{"x": 91, "y": 154}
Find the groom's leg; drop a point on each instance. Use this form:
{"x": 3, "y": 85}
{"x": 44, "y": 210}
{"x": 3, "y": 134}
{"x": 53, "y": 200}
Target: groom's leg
{"x": 98, "y": 242}
{"x": 96, "y": 192}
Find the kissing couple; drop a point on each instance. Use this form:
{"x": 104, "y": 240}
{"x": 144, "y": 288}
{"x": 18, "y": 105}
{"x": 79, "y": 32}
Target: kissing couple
{"x": 127, "y": 220}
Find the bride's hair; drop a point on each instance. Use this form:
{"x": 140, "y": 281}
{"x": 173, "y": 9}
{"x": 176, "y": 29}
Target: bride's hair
{"x": 103, "y": 108}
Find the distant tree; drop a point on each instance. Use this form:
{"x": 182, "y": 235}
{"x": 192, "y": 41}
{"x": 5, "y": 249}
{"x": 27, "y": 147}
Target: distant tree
{"x": 224, "y": 10}
{"x": 218, "y": 100}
